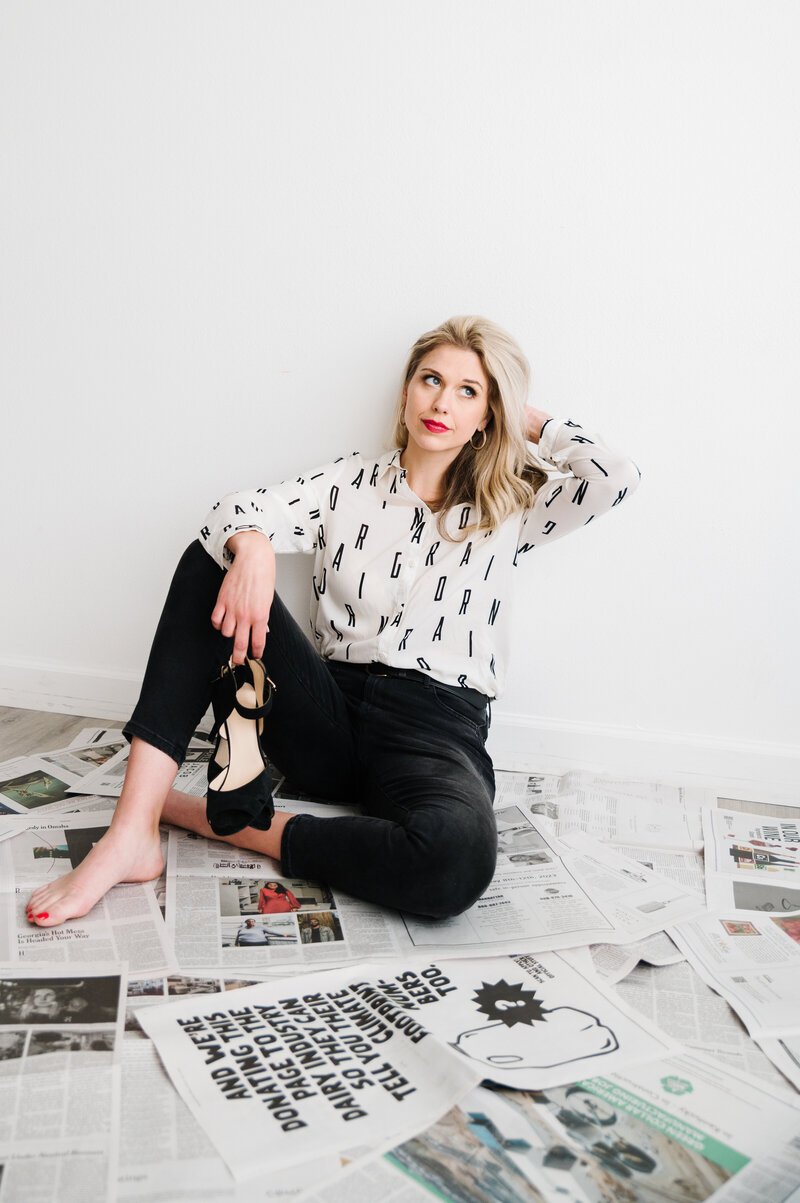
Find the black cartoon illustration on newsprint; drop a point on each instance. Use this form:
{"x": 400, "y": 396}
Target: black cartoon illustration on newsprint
{"x": 523, "y": 1034}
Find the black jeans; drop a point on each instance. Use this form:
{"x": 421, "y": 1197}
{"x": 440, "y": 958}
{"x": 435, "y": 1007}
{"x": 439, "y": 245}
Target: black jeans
{"x": 410, "y": 753}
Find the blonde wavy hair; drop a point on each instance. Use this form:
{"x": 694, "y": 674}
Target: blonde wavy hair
{"x": 500, "y": 477}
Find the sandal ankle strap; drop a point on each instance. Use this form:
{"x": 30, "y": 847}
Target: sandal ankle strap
{"x": 223, "y": 694}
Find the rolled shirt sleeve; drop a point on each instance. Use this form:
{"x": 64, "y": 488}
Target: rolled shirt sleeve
{"x": 595, "y": 479}
{"x": 292, "y": 514}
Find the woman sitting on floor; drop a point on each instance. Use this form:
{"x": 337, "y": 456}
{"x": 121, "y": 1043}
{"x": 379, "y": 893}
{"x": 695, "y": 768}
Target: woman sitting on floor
{"x": 414, "y": 558}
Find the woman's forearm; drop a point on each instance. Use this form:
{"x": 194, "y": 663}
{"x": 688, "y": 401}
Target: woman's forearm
{"x": 246, "y": 594}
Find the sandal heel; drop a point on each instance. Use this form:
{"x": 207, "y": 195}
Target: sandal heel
{"x": 240, "y": 790}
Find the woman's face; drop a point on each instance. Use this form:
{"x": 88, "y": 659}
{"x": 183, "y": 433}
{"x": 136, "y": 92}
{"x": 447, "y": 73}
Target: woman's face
{"x": 273, "y": 885}
{"x": 44, "y": 997}
{"x": 446, "y": 401}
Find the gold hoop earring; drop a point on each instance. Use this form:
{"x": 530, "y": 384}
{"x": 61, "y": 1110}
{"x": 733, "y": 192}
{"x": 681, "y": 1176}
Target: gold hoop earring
{"x": 481, "y": 445}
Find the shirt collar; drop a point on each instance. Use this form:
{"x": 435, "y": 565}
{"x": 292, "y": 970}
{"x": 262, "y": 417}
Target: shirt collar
{"x": 389, "y": 464}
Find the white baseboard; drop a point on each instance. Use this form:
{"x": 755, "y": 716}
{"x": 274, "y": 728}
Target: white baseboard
{"x": 516, "y": 740}
{"x": 39, "y": 685}
{"x": 747, "y": 769}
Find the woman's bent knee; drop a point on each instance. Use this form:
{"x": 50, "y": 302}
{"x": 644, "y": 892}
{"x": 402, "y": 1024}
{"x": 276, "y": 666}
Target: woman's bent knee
{"x": 453, "y": 882}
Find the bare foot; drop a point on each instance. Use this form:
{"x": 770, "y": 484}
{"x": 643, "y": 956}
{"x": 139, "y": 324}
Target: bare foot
{"x": 127, "y": 852}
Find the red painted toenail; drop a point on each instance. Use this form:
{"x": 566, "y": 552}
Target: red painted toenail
{"x": 44, "y": 915}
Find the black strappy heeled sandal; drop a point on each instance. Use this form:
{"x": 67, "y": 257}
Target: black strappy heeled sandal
{"x": 239, "y": 780}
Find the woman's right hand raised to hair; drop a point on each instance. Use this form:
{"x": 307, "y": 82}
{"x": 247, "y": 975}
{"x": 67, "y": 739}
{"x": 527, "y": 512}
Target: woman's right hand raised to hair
{"x": 246, "y": 593}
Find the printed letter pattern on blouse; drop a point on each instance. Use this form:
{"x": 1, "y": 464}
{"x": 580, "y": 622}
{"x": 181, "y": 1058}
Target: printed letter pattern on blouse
{"x": 387, "y": 587}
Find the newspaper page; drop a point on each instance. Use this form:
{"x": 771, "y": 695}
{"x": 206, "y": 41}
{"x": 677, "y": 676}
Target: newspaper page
{"x": 164, "y": 1152}
{"x": 681, "y": 797}
{"x": 753, "y": 963}
{"x": 752, "y": 863}
{"x": 284, "y": 1071}
{"x": 125, "y": 925}
{"x": 680, "y": 1003}
{"x": 613, "y": 962}
{"x": 774, "y": 1178}
{"x": 29, "y": 783}
{"x": 480, "y": 1177}
{"x": 31, "y": 786}
{"x": 727, "y": 1118}
{"x": 610, "y": 809}
{"x": 565, "y": 1144}
{"x": 675, "y": 1130}
{"x": 80, "y": 761}
{"x": 11, "y": 825}
{"x": 107, "y": 780}
{"x": 523, "y": 1021}
{"x": 34, "y": 783}
{"x": 526, "y": 1021}
{"x": 60, "y": 1039}
{"x": 223, "y": 906}
{"x": 784, "y": 1053}
{"x": 83, "y": 804}
{"x": 94, "y": 735}
{"x": 683, "y": 868}
{"x": 622, "y": 818}
{"x": 523, "y": 789}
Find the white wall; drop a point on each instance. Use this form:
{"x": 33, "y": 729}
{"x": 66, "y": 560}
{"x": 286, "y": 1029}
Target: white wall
{"x": 226, "y": 223}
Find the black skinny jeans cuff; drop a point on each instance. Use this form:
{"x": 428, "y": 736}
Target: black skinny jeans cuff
{"x": 289, "y": 846}
{"x": 174, "y": 751}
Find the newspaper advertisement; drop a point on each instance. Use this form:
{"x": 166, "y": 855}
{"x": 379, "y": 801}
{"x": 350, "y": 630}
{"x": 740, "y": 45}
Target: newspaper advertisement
{"x": 548, "y": 1148}
{"x": 233, "y": 909}
{"x": 289, "y": 1070}
{"x": 727, "y": 1117}
{"x": 522, "y": 1020}
{"x": 60, "y": 1038}
{"x": 526, "y": 1021}
{"x": 752, "y": 863}
{"x": 679, "y": 1129}
{"x": 565, "y": 1144}
{"x": 125, "y": 925}
{"x": 753, "y": 963}
{"x": 164, "y": 1152}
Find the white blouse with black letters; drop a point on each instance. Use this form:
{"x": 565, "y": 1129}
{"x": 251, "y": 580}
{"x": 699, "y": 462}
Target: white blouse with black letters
{"x": 387, "y": 586}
